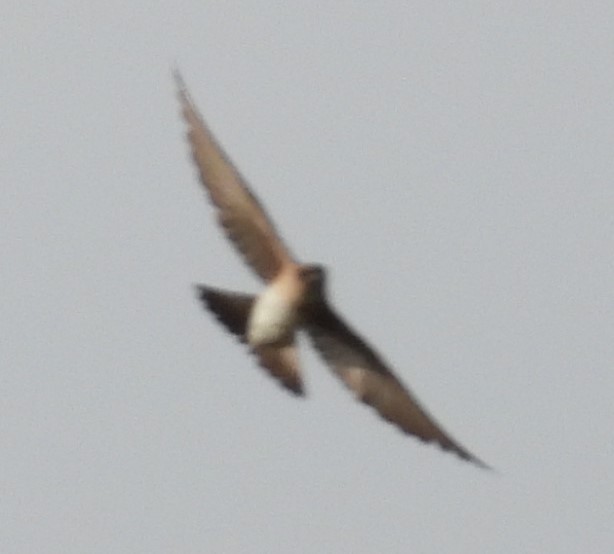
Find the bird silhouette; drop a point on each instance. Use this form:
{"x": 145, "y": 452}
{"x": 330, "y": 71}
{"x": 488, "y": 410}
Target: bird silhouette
{"x": 294, "y": 299}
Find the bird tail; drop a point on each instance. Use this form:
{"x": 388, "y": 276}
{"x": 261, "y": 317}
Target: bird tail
{"x": 231, "y": 309}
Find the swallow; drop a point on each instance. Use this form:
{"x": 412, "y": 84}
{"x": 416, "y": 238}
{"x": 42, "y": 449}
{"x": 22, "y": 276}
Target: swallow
{"x": 294, "y": 299}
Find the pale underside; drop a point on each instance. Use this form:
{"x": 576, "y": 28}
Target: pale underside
{"x": 272, "y": 319}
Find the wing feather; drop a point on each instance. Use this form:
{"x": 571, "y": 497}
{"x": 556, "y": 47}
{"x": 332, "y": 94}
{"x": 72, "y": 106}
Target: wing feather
{"x": 239, "y": 212}
{"x": 363, "y": 372}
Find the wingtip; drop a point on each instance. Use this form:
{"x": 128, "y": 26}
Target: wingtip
{"x": 178, "y": 78}
{"x": 182, "y": 90}
{"x": 466, "y": 456}
{"x": 456, "y": 450}
{"x": 479, "y": 463}
{"x": 201, "y": 291}
{"x": 484, "y": 465}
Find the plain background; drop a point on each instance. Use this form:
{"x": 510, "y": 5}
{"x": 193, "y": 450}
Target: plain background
{"x": 452, "y": 163}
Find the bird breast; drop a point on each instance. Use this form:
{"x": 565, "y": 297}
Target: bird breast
{"x": 272, "y": 318}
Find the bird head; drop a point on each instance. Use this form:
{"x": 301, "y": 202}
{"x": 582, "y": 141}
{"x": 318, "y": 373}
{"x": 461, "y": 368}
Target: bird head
{"x": 313, "y": 277}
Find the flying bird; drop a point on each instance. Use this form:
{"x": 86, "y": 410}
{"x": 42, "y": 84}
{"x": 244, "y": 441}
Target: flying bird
{"x": 294, "y": 299}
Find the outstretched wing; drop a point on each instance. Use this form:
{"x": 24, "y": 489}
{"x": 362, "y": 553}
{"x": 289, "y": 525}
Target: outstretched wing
{"x": 232, "y": 310}
{"x": 239, "y": 211}
{"x": 362, "y": 371}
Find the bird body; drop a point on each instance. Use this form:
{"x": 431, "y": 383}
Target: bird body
{"x": 274, "y": 315}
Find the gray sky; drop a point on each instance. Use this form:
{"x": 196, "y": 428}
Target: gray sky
{"x": 453, "y": 166}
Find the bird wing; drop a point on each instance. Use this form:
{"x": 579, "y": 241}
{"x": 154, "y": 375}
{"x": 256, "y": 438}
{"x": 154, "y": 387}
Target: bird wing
{"x": 239, "y": 212}
{"x": 363, "y": 372}
{"x": 232, "y": 310}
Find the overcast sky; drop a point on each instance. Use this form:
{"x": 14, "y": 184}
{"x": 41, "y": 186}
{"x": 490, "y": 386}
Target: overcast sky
{"x": 453, "y": 165}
